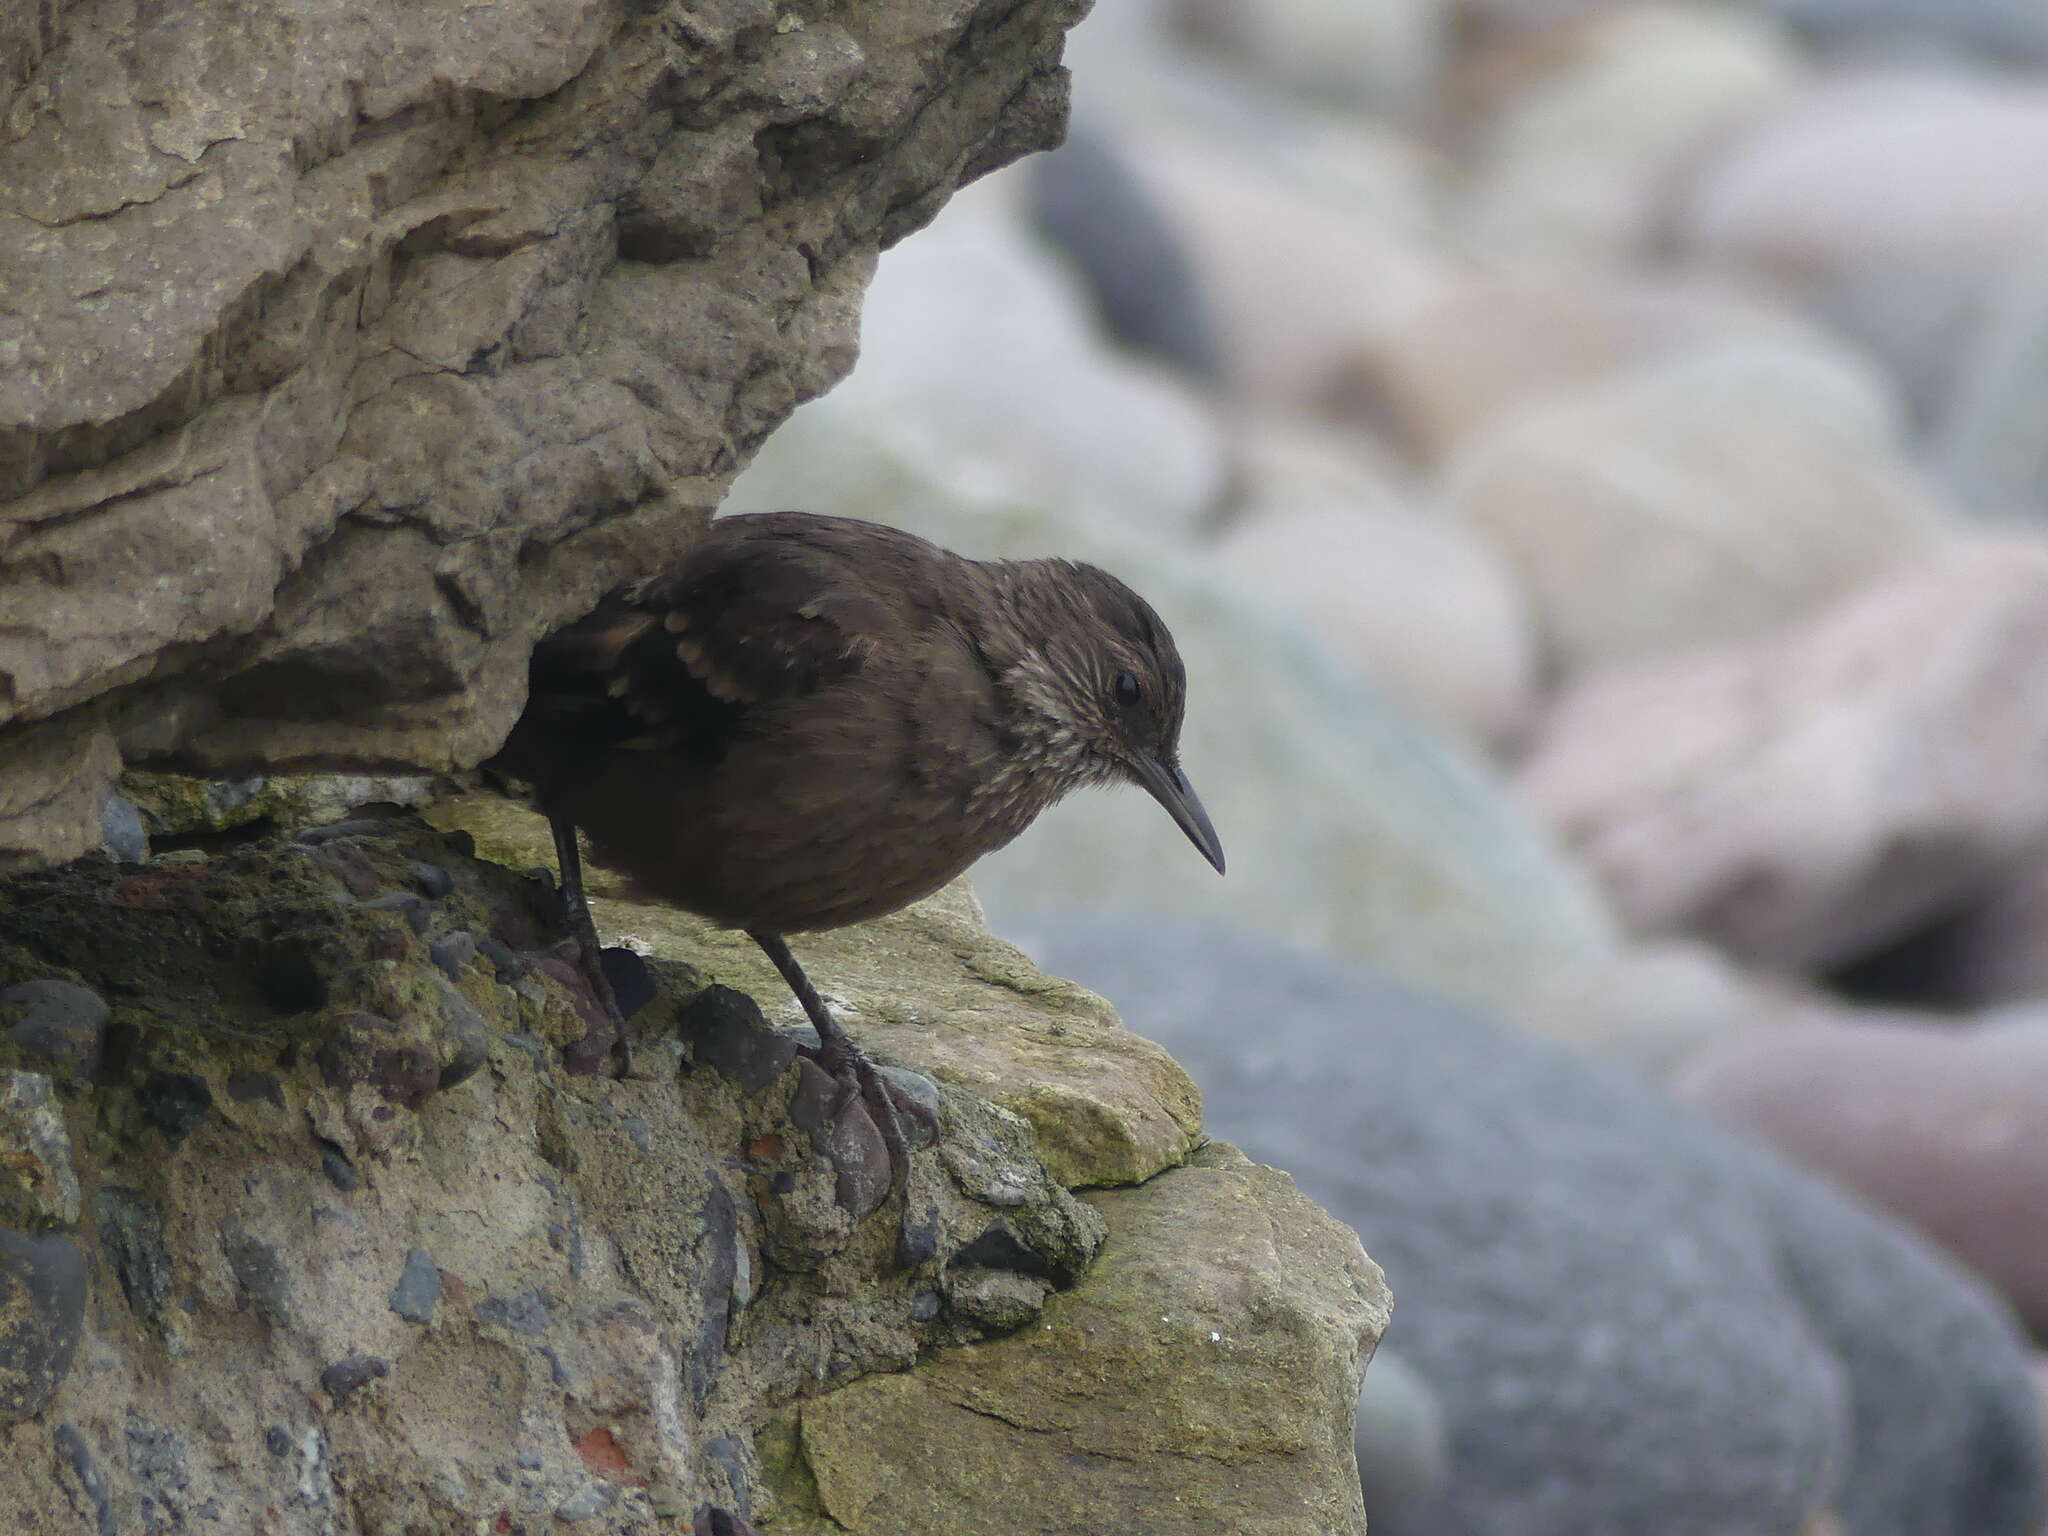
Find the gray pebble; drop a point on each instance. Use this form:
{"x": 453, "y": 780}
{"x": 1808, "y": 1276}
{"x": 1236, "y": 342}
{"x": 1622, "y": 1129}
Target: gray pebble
{"x": 71, "y": 1444}
{"x": 42, "y": 1313}
{"x": 418, "y": 1288}
{"x": 527, "y": 1313}
{"x": 434, "y": 881}
{"x": 341, "y": 1173}
{"x": 175, "y": 1103}
{"x": 131, "y": 1234}
{"x": 416, "y": 912}
{"x": 262, "y": 1272}
{"x": 277, "y": 1440}
{"x": 345, "y": 1377}
{"x": 452, "y": 954}
{"x": 60, "y": 1021}
{"x": 122, "y": 834}
{"x": 919, "y": 1090}
{"x": 363, "y": 826}
{"x": 587, "y": 1501}
{"x": 924, "y": 1306}
{"x": 529, "y": 1461}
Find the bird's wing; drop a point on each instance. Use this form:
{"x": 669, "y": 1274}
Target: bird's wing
{"x": 761, "y": 608}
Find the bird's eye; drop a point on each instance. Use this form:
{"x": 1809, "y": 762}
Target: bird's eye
{"x": 1127, "y": 690}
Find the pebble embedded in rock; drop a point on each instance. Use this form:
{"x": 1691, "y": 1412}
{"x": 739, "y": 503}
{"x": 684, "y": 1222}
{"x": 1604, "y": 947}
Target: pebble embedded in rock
{"x": 122, "y": 834}
{"x": 262, "y": 1272}
{"x": 76, "y": 1452}
{"x": 131, "y": 1234}
{"x": 842, "y": 1129}
{"x": 37, "y": 1180}
{"x": 418, "y": 1288}
{"x": 418, "y": 915}
{"x": 726, "y": 1031}
{"x": 60, "y": 1021}
{"x": 632, "y": 983}
{"x": 451, "y": 954}
{"x": 996, "y": 1299}
{"x": 434, "y": 882}
{"x": 465, "y": 1037}
{"x": 175, "y": 1103}
{"x": 341, "y": 1173}
{"x": 364, "y": 826}
{"x": 529, "y": 1312}
{"x": 277, "y": 1440}
{"x": 592, "y": 1498}
{"x": 346, "y": 1377}
{"x": 42, "y": 1314}
{"x": 922, "y": 1091}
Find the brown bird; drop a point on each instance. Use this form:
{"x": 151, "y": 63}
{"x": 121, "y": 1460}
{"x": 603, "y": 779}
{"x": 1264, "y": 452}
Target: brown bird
{"x": 810, "y": 721}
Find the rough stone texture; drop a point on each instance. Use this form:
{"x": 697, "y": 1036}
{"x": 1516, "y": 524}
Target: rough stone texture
{"x": 1208, "y": 1384}
{"x": 364, "y": 1254}
{"x": 349, "y": 348}
{"x": 1808, "y": 797}
{"x": 1634, "y": 1321}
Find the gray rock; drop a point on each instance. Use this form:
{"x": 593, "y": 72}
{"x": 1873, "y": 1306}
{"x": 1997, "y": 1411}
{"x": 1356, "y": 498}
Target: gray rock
{"x": 2003, "y": 32}
{"x": 122, "y": 833}
{"x": 1086, "y": 199}
{"x": 131, "y": 1234}
{"x": 37, "y": 1180}
{"x": 418, "y": 1288}
{"x": 42, "y": 1314}
{"x": 1634, "y": 1321}
{"x": 310, "y": 483}
{"x": 59, "y": 1021}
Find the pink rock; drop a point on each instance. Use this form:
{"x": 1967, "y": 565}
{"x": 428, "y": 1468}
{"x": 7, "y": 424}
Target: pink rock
{"x": 1808, "y": 797}
{"x": 1943, "y": 1129}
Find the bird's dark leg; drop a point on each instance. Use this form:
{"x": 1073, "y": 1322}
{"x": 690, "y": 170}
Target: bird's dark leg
{"x": 838, "y": 1055}
{"x": 583, "y": 928}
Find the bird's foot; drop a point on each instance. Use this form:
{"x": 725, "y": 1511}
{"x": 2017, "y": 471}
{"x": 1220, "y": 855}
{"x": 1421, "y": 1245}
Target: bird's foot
{"x": 888, "y": 1106}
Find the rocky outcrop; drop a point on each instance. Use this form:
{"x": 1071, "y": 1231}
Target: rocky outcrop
{"x": 344, "y": 352}
{"x": 309, "y": 1223}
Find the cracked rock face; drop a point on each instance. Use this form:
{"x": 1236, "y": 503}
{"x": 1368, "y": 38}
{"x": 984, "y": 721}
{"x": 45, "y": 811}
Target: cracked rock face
{"x": 335, "y": 1231}
{"x": 347, "y": 348}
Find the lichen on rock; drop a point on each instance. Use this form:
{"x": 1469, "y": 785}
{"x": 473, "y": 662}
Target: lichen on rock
{"x": 354, "y": 1214}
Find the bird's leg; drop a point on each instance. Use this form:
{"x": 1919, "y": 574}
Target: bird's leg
{"x": 838, "y": 1055}
{"x": 582, "y": 927}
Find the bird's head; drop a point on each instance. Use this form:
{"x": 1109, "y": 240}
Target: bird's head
{"x": 1101, "y": 676}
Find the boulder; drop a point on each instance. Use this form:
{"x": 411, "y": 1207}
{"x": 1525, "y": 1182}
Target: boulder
{"x": 1808, "y": 798}
{"x": 1574, "y": 164}
{"x": 1732, "y": 490}
{"x": 1413, "y": 599}
{"x": 1633, "y": 1321}
{"x": 371, "y": 1254}
{"x": 346, "y": 354}
{"x": 1940, "y": 1127}
{"x": 1890, "y": 203}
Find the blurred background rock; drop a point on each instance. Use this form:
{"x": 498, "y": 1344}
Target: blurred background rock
{"x": 1594, "y": 455}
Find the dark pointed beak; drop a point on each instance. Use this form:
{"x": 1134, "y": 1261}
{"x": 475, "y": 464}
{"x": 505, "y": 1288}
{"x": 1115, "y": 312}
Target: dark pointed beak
{"x": 1165, "y": 783}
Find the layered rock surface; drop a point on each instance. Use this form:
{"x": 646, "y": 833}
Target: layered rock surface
{"x": 345, "y": 351}
{"x": 312, "y": 1226}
